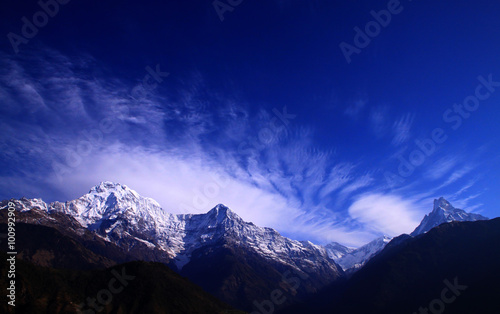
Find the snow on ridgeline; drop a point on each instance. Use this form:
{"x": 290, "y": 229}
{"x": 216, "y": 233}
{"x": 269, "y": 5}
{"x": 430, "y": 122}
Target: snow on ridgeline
{"x": 116, "y": 212}
{"x": 120, "y": 215}
{"x": 352, "y": 259}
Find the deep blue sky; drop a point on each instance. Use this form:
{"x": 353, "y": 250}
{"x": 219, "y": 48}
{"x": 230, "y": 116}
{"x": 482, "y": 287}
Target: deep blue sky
{"x": 321, "y": 175}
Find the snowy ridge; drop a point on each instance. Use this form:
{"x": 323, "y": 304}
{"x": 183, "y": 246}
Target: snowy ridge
{"x": 120, "y": 215}
{"x": 336, "y": 250}
{"x": 358, "y": 257}
{"x": 117, "y": 213}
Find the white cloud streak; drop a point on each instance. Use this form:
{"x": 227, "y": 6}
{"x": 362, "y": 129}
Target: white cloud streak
{"x": 441, "y": 167}
{"x": 401, "y": 129}
{"x": 385, "y": 213}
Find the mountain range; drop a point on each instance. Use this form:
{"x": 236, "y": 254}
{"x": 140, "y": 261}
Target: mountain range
{"x": 203, "y": 247}
{"x": 236, "y": 261}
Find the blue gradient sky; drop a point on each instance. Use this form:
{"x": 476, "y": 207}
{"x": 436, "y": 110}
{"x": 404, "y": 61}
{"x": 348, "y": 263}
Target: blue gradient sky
{"x": 260, "y": 111}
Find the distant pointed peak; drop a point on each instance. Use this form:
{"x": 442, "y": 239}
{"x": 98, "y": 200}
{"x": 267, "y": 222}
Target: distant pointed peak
{"x": 442, "y": 203}
{"x": 221, "y": 207}
{"x": 444, "y": 212}
{"x": 221, "y": 211}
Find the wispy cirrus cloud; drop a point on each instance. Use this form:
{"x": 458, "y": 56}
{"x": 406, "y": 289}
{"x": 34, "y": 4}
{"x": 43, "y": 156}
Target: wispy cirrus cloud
{"x": 338, "y": 176}
{"x": 456, "y": 175}
{"x": 441, "y": 167}
{"x": 359, "y": 183}
{"x": 354, "y": 186}
{"x": 465, "y": 188}
{"x": 189, "y": 148}
{"x": 385, "y": 213}
{"x": 175, "y": 151}
{"x": 401, "y": 129}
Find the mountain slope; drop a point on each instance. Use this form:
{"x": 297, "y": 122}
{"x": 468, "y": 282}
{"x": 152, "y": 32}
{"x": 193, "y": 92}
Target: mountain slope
{"x": 444, "y": 212}
{"x": 46, "y": 246}
{"x": 136, "y": 287}
{"x": 68, "y": 227}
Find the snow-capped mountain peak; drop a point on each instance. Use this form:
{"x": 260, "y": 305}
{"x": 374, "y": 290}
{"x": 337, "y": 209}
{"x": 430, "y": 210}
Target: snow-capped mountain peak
{"x": 358, "y": 257}
{"x": 117, "y": 191}
{"x": 444, "y": 212}
{"x": 222, "y": 212}
{"x": 442, "y": 204}
{"x": 108, "y": 200}
{"x": 336, "y": 250}
{"x": 106, "y": 186}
